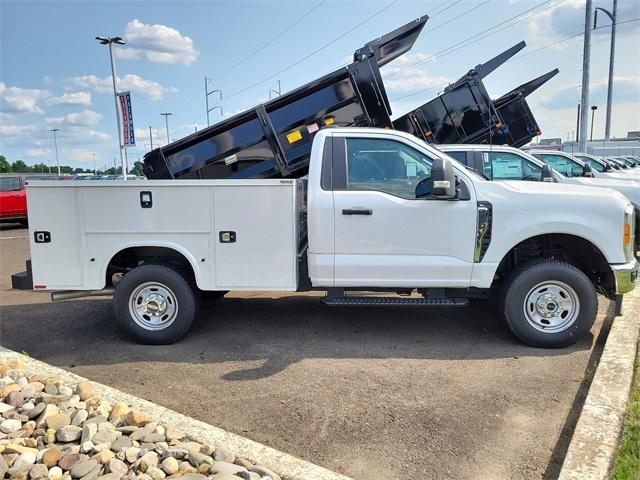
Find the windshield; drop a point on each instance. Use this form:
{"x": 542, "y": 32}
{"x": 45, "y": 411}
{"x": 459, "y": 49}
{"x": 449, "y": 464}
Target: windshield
{"x": 562, "y": 164}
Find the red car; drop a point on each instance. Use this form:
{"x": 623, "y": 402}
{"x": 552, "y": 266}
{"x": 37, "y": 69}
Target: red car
{"x": 13, "y": 199}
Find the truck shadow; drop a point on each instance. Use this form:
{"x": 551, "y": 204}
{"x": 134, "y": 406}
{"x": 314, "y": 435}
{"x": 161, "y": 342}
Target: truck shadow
{"x": 278, "y": 332}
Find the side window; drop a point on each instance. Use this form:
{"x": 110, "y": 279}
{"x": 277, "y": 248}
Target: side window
{"x": 595, "y": 165}
{"x": 509, "y": 166}
{"x": 564, "y": 165}
{"x": 459, "y": 156}
{"x": 385, "y": 166}
{"x": 9, "y": 184}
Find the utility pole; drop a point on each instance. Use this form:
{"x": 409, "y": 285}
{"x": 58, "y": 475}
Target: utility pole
{"x": 110, "y": 41}
{"x": 586, "y": 63}
{"x": 150, "y": 138}
{"x": 55, "y": 142}
{"x": 278, "y": 92}
{"x": 166, "y": 121}
{"x": 206, "y": 98}
{"x": 593, "y": 112}
{"x": 612, "y": 16}
{"x": 578, "y": 125}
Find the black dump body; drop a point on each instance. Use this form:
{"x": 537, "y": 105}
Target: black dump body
{"x": 465, "y": 113}
{"x": 274, "y": 139}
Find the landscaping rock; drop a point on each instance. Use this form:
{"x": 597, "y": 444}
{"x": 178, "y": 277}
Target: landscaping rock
{"x": 85, "y": 390}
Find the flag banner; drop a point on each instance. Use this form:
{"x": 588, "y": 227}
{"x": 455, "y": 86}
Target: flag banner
{"x": 128, "y": 135}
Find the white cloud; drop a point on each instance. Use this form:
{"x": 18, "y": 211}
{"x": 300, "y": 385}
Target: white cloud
{"x": 85, "y": 118}
{"x": 156, "y": 43}
{"x": 129, "y": 82}
{"x": 567, "y": 18}
{"x": 75, "y": 98}
{"x": 21, "y": 100}
{"x": 15, "y": 130}
{"x": 625, "y": 90}
{"x": 37, "y": 152}
{"x": 83, "y": 155}
{"x": 402, "y": 76}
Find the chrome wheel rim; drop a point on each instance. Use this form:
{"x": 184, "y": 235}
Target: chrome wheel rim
{"x": 153, "y": 306}
{"x": 551, "y": 307}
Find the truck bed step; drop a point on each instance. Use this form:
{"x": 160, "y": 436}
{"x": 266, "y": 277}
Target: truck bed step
{"x": 335, "y": 301}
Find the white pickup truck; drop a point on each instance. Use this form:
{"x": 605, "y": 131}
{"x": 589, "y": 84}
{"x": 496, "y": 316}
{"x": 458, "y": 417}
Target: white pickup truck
{"x": 381, "y": 212}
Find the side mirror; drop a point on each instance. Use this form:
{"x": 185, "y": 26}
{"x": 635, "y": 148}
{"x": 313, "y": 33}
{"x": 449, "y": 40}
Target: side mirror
{"x": 444, "y": 180}
{"x": 547, "y": 176}
{"x": 587, "y": 171}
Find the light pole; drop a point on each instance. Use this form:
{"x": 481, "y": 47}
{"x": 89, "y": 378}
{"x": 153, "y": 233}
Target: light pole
{"x": 278, "y": 92}
{"x": 110, "y": 41}
{"x": 586, "y": 62}
{"x": 166, "y": 121}
{"x": 593, "y": 112}
{"x": 95, "y": 172}
{"x": 55, "y": 142}
{"x": 612, "y": 16}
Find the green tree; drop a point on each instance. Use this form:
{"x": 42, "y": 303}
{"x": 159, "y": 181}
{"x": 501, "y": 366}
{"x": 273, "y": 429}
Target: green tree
{"x": 5, "y": 167}
{"x": 137, "y": 169}
{"x": 41, "y": 168}
{"x": 20, "y": 167}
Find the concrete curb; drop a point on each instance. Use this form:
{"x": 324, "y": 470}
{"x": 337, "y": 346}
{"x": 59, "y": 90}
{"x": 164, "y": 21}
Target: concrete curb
{"x": 595, "y": 440}
{"x": 287, "y": 466}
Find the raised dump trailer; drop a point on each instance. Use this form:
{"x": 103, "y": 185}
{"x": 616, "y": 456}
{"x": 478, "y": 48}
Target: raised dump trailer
{"x": 274, "y": 139}
{"x": 465, "y": 113}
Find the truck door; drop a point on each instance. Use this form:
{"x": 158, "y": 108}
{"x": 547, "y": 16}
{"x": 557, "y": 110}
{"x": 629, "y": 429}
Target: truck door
{"x": 384, "y": 235}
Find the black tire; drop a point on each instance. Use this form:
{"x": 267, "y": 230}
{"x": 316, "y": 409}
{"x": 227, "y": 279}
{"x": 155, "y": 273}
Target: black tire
{"x": 180, "y": 295}
{"x": 530, "y": 275}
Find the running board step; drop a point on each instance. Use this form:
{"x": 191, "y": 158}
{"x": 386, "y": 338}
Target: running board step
{"x": 384, "y": 301}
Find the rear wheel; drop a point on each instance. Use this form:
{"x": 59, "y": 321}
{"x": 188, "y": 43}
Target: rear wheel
{"x": 155, "y": 304}
{"x": 549, "y": 304}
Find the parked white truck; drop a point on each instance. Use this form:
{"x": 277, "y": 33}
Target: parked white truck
{"x": 381, "y": 211}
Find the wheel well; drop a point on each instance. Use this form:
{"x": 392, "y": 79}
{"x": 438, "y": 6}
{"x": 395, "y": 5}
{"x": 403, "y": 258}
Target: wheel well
{"x": 132, "y": 257}
{"x": 577, "y": 251}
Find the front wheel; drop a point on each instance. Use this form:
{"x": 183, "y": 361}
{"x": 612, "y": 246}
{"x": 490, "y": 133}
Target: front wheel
{"x": 549, "y": 304}
{"x": 155, "y": 304}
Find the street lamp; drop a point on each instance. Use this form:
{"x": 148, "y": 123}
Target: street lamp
{"x": 110, "y": 41}
{"x": 593, "y": 112}
{"x": 612, "y": 16}
{"x": 166, "y": 121}
{"x": 55, "y": 142}
{"x": 95, "y": 172}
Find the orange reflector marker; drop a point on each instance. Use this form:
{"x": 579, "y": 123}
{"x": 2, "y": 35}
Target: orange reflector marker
{"x": 39, "y": 287}
{"x": 538, "y": 132}
{"x": 627, "y": 234}
{"x": 498, "y": 125}
{"x": 294, "y": 136}
{"x": 329, "y": 120}
{"x": 428, "y": 133}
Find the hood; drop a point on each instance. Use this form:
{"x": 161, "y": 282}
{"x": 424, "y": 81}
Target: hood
{"x": 631, "y": 190}
{"x": 551, "y": 193}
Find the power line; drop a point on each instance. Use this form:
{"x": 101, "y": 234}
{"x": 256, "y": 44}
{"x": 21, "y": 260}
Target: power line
{"x": 463, "y": 43}
{"x": 238, "y": 92}
{"x": 452, "y": 4}
{"x": 571, "y": 37}
{"x": 458, "y": 16}
{"x": 521, "y": 55}
{"x": 258, "y": 50}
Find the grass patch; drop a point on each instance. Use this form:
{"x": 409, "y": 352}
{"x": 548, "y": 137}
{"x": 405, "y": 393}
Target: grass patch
{"x": 627, "y": 464}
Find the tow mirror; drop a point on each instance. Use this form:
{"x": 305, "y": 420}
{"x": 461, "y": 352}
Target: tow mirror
{"x": 547, "y": 176}
{"x": 444, "y": 180}
{"x": 587, "y": 171}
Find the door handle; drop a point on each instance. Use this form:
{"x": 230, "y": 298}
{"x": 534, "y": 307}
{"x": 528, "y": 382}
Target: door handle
{"x": 357, "y": 211}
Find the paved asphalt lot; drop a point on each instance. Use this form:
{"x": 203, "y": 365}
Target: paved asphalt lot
{"x": 376, "y": 394}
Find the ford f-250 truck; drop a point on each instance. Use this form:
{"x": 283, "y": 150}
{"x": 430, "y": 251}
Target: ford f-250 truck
{"x": 381, "y": 211}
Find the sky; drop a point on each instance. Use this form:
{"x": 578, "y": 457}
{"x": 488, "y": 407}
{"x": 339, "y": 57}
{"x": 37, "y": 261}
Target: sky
{"x": 53, "y": 74}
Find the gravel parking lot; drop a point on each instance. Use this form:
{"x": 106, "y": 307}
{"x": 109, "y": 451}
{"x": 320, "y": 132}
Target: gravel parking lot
{"x": 373, "y": 393}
